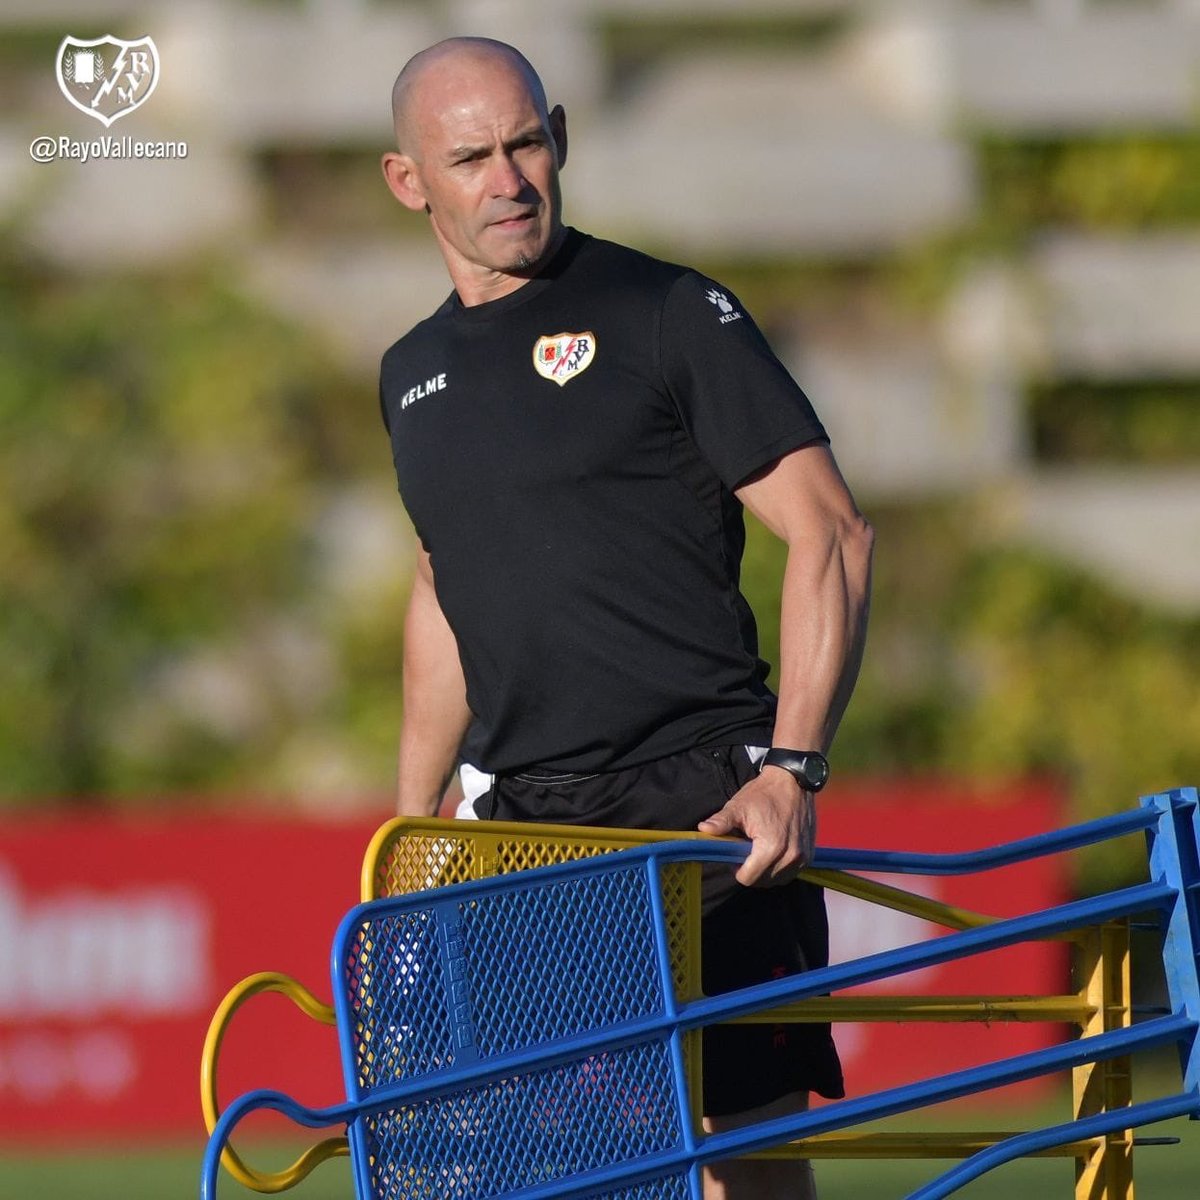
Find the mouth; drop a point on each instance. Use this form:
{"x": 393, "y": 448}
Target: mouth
{"x": 515, "y": 221}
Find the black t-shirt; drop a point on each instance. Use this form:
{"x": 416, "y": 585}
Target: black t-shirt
{"x": 567, "y": 454}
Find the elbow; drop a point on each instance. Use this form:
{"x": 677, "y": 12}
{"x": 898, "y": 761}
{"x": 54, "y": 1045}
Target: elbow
{"x": 865, "y": 533}
{"x": 858, "y": 548}
{"x": 858, "y": 538}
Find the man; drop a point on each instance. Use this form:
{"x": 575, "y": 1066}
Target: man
{"x": 575, "y": 432}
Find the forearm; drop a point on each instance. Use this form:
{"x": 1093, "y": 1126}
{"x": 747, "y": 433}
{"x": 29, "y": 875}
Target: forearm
{"x": 826, "y": 591}
{"x": 429, "y": 746}
{"x": 823, "y": 625}
{"x": 435, "y": 705}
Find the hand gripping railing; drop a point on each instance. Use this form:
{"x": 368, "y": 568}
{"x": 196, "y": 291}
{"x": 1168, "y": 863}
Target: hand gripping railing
{"x": 521, "y": 1036}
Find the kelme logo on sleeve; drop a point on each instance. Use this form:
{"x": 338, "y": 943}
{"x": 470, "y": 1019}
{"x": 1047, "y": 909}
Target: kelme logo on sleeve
{"x": 722, "y": 302}
{"x": 562, "y": 356}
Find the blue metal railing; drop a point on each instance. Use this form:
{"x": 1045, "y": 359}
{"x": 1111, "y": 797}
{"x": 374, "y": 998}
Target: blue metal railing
{"x": 1171, "y": 822}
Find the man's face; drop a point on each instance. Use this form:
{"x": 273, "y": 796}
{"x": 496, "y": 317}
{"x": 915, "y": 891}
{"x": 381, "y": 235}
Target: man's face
{"x": 486, "y": 161}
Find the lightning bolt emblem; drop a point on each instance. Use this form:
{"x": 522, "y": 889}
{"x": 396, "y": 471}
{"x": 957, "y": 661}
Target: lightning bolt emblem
{"x": 111, "y": 82}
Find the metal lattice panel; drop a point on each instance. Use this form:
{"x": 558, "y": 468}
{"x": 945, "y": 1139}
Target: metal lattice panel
{"x": 531, "y": 1128}
{"x": 521, "y": 854}
{"x": 409, "y": 860}
{"x": 673, "y": 1187}
{"x": 529, "y": 984}
{"x": 504, "y": 974}
{"x": 415, "y": 862}
{"x": 678, "y": 881}
{"x": 392, "y": 968}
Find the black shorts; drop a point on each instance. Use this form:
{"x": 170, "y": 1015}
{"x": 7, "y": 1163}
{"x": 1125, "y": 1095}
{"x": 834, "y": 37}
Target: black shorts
{"x": 748, "y": 935}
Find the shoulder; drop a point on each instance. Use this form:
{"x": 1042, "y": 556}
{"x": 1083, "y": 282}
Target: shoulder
{"x": 421, "y": 338}
{"x": 667, "y": 284}
{"x": 603, "y": 261}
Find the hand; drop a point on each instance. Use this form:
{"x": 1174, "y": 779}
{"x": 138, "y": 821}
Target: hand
{"x": 779, "y": 818}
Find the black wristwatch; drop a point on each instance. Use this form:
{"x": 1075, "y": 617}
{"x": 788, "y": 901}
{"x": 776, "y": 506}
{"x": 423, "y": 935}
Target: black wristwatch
{"x": 810, "y": 767}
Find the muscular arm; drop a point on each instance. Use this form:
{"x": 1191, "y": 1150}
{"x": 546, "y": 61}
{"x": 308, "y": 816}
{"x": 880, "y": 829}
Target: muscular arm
{"x": 435, "y": 700}
{"x": 823, "y": 622}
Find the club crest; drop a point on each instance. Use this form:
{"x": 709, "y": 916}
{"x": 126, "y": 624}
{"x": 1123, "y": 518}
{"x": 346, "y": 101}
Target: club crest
{"x": 107, "y": 78}
{"x": 562, "y": 356}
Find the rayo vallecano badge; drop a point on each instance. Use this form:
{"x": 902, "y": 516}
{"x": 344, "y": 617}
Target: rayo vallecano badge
{"x": 107, "y": 78}
{"x": 562, "y": 356}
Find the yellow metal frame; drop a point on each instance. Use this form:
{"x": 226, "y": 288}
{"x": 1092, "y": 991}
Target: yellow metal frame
{"x": 1105, "y": 1172}
{"x": 415, "y": 853}
{"x": 265, "y": 981}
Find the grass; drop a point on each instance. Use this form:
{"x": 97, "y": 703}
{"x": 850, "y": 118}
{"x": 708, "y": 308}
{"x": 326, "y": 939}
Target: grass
{"x": 1162, "y": 1172}
{"x": 163, "y": 1173}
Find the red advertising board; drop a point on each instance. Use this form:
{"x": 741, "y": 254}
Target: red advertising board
{"x": 118, "y": 939}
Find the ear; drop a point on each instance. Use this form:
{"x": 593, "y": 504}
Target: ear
{"x": 404, "y": 180}
{"x": 558, "y": 131}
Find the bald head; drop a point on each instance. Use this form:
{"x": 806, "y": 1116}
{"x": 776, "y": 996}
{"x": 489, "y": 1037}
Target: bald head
{"x": 444, "y": 61}
{"x": 480, "y": 156}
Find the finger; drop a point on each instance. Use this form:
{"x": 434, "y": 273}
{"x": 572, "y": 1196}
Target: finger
{"x": 769, "y": 855}
{"x": 724, "y": 820}
{"x": 773, "y": 872}
{"x": 774, "y": 859}
{"x": 756, "y": 870}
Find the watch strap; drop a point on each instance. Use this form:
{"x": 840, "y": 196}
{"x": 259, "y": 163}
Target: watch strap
{"x": 809, "y": 767}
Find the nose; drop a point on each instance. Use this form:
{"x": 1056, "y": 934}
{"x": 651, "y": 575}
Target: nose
{"x": 507, "y": 180}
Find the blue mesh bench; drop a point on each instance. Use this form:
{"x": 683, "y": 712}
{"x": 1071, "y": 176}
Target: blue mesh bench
{"x": 521, "y": 1036}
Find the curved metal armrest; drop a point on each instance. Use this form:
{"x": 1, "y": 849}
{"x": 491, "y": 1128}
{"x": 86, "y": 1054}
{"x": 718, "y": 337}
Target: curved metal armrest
{"x": 311, "y": 1118}
{"x": 303, "y": 999}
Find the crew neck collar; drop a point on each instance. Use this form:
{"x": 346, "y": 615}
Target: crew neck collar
{"x": 571, "y": 242}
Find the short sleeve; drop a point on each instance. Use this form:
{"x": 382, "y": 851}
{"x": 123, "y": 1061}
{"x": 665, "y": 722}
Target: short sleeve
{"x": 735, "y": 398}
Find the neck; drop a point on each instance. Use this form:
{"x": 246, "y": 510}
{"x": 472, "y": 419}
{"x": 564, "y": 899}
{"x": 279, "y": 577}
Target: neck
{"x": 477, "y": 285}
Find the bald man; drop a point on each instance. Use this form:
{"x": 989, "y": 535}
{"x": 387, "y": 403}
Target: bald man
{"x": 575, "y": 431}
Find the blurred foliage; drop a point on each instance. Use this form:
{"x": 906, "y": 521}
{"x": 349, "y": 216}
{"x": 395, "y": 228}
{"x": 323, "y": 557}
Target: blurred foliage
{"x": 1115, "y": 182}
{"x": 27, "y": 55}
{"x": 168, "y": 453}
{"x": 1154, "y": 422}
{"x": 331, "y": 191}
{"x": 993, "y": 661}
{"x": 634, "y": 44}
{"x": 27, "y": 46}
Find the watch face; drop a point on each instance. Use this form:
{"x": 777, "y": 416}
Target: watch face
{"x": 816, "y": 771}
